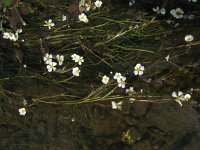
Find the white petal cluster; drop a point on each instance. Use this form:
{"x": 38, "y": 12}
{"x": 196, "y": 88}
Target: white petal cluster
{"x": 51, "y": 66}
{"x": 82, "y": 17}
{"x": 12, "y": 36}
{"x": 130, "y": 91}
{"x": 187, "y": 97}
{"x": 75, "y": 71}
{"x": 51, "y": 63}
{"x": 117, "y": 76}
{"x": 49, "y": 23}
{"x": 177, "y": 13}
{"x": 159, "y": 10}
{"x": 22, "y": 111}
{"x": 98, "y": 3}
{"x": 180, "y": 97}
{"x": 87, "y": 7}
{"x": 48, "y": 58}
{"x": 105, "y": 79}
{"x": 60, "y": 59}
{"x": 192, "y": 1}
{"x": 121, "y": 82}
{"x": 64, "y": 18}
{"x": 139, "y": 69}
{"x": 117, "y": 105}
{"x": 131, "y": 2}
{"x": 189, "y": 38}
{"x": 78, "y": 59}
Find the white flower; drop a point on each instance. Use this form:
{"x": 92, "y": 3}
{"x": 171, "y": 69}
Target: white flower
{"x": 189, "y": 38}
{"x": 98, "y": 3}
{"x": 187, "y": 97}
{"x": 49, "y": 23}
{"x": 131, "y": 100}
{"x": 82, "y": 17}
{"x": 121, "y": 82}
{"x": 76, "y": 71}
{"x": 64, "y": 18}
{"x": 51, "y": 66}
{"x": 13, "y": 37}
{"x": 117, "y": 76}
{"x": 105, "y": 79}
{"x": 139, "y": 69}
{"x": 116, "y": 105}
{"x": 179, "y": 97}
{"x": 60, "y": 59}
{"x": 22, "y": 111}
{"x": 80, "y": 60}
{"x": 159, "y": 11}
{"x": 6, "y": 35}
{"x": 87, "y": 7}
{"x": 192, "y": 0}
{"x": 75, "y": 57}
{"x": 131, "y": 2}
{"x": 47, "y": 58}
{"x": 73, "y": 120}
{"x": 24, "y": 102}
{"x": 130, "y": 91}
{"x": 177, "y": 13}
{"x": 167, "y": 58}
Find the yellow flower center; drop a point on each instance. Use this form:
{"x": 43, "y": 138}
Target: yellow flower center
{"x": 48, "y": 24}
{"x": 82, "y": 18}
{"x": 178, "y": 13}
{"x": 137, "y": 69}
{"x": 178, "y": 98}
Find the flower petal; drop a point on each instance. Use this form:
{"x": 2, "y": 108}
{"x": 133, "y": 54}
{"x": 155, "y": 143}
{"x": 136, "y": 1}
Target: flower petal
{"x": 135, "y": 72}
{"x": 140, "y": 73}
{"x": 180, "y": 93}
{"x": 142, "y": 68}
{"x": 174, "y": 94}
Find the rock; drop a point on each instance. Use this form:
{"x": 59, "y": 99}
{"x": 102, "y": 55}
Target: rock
{"x": 105, "y": 126}
{"x": 173, "y": 120}
{"x": 142, "y": 145}
{"x": 139, "y": 108}
{"x": 126, "y": 108}
{"x": 130, "y": 120}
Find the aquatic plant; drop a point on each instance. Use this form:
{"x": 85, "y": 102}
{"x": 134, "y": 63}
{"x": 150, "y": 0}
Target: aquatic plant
{"x": 110, "y": 41}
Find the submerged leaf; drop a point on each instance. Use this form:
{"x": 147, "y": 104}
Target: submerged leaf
{"x": 7, "y": 2}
